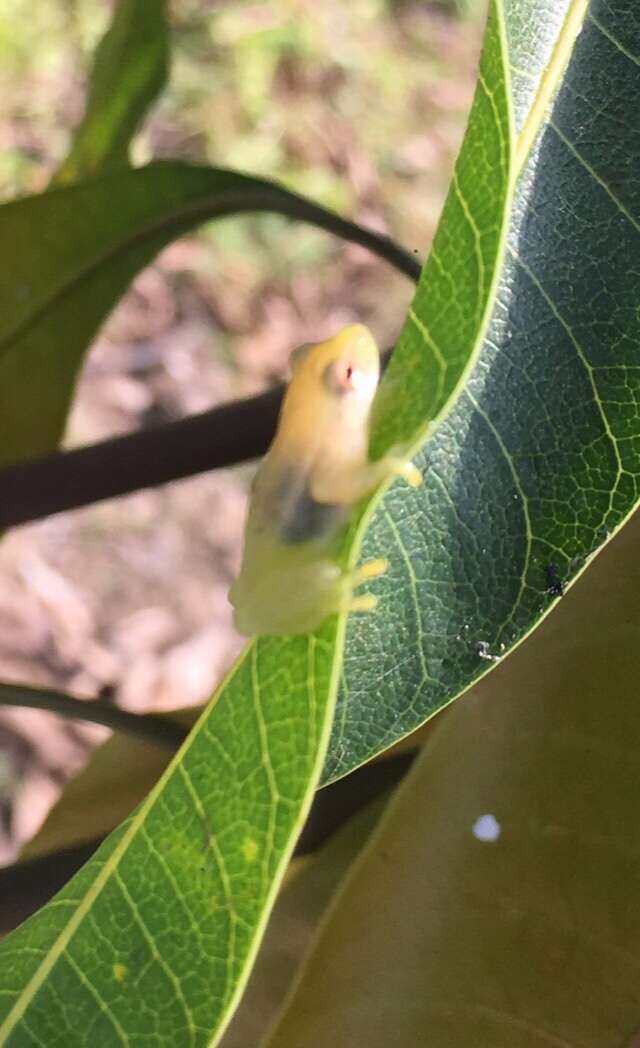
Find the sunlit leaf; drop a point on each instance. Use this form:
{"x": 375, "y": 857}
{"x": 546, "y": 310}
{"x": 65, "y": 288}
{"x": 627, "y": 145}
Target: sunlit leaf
{"x": 310, "y": 884}
{"x": 179, "y": 894}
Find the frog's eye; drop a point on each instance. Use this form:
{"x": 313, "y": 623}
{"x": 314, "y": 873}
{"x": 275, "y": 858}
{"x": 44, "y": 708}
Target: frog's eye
{"x": 343, "y": 376}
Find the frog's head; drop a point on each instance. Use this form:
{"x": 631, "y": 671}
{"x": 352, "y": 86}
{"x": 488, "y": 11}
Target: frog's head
{"x": 345, "y": 366}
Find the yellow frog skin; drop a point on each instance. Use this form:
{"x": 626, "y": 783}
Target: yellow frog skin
{"x": 316, "y": 469}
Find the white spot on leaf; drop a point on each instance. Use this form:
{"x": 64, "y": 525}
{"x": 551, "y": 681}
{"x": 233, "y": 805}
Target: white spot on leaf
{"x": 486, "y": 828}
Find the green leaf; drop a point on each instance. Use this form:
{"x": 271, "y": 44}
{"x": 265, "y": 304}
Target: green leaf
{"x": 448, "y": 316}
{"x": 537, "y": 464}
{"x": 69, "y": 254}
{"x": 497, "y": 903}
{"x": 151, "y": 942}
{"x": 310, "y": 883}
{"x": 178, "y": 897}
{"x": 129, "y": 69}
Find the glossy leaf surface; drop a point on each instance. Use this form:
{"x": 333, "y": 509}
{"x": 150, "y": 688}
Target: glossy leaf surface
{"x": 538, "y": 462}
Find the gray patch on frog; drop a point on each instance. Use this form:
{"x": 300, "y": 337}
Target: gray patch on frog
{"x": 305, "y": 519}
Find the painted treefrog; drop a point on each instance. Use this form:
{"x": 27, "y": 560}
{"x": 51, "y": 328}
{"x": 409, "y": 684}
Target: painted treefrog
{"x": 316, "y": 469}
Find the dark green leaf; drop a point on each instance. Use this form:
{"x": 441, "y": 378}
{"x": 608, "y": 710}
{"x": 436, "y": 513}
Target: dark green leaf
{"x": 538, "y": 462}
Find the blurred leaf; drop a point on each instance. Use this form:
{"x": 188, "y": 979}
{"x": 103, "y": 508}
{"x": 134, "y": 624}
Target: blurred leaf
{"x": 497, "y": 904}
{"x": 129, "y": 69}
{"x": 537, "y": 464}
{"x": 465, "y": 8}
{"x": 71, "y": 253}
{"x": 206, "y": 851}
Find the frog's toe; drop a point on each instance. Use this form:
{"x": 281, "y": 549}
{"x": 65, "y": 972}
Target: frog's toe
{"x": 365, "y": 603}
{"x": 411, "y": 474}
{"x": 403, "y": 467}
{"x": 371, "y": 570}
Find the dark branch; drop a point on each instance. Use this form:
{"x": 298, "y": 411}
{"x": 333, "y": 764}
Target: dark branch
{"x": 158, "y": 730}
{"x": 223, "y": 436}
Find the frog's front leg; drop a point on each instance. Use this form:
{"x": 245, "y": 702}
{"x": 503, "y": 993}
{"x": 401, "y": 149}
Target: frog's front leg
{"x": 347, "y": 485}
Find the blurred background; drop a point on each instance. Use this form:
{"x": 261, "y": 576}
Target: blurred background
{"x": 360, "y": 106}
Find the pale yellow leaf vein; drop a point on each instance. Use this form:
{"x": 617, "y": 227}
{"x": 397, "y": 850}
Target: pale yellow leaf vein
{"x": 477, "y": 240}
{"x": 429, "y": 341}
{"x": 413, "y": 582}
{"x": 91, "y": 990}
{"x": 612, "y": 39}
{"x": 224, "y": 878}
{"x": 519, "y": 489}
{"x": 155, "y": 953}
{"x": 594, "y": 174}
{"x": 588, "y": 367}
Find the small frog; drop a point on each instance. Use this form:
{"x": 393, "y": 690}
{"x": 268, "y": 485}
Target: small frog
{"x": 316, "y": 469}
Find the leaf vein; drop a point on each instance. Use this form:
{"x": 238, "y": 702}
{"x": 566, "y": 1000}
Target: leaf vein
{"x": 155, "y": 953}
{"x": 477, "y": 242}
{"x": 613, "y": 40}
{"x": 102, "y": 1005}
{"x": 588, "y": 367}
{"x": 594, "y": 174}
{"x": 523, "y": 499}
{"x": 266, "y": 762}
{"x": 414, "y": 595}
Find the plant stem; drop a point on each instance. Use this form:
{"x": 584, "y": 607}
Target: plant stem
{"x": 161, "y": 731}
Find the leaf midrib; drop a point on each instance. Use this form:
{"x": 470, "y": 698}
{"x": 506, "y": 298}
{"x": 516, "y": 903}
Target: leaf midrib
{"x": 110, "y": 866}
{"x": 550, "y": 79}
